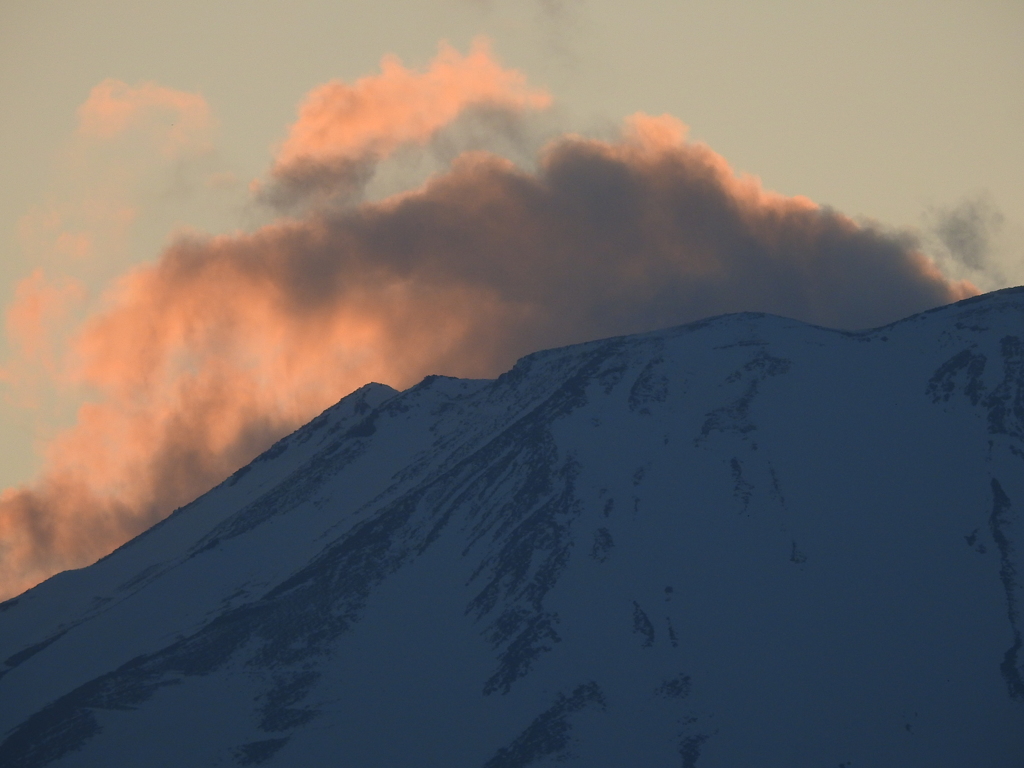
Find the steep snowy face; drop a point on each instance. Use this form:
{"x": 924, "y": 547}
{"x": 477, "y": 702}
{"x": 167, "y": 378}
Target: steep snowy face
{"x": 745, "y": 541}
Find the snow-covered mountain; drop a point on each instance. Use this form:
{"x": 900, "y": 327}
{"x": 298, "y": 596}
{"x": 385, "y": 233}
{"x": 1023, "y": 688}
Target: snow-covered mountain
{"x": 741, "y": 542}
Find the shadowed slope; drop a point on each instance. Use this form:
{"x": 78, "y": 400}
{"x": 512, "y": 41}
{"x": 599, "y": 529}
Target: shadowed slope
{"x": 745, "y": 540}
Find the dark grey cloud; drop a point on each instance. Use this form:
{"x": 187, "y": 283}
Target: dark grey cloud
{"x": 604, "y": 241}
{"x": 967, "y": 229}
{"x": 307, "y": 183}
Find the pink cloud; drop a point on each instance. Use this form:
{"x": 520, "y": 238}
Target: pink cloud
{"x": 114, "y": 107}
{"x": 33, "y": 322}
{"x": 342, "y": 129}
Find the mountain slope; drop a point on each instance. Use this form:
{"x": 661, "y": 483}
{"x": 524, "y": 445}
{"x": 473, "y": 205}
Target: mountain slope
{"x": 742, "y": 541}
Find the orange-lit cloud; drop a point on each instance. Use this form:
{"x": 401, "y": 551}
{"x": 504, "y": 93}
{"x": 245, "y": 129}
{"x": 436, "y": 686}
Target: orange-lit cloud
{"x": 128, "y": 139}
{"x": 74, "y": 233}
{"x": 38, "y": 305}
{"x": 183, "y": 120}
{"x": 202, "y": 359}
{"x": 343, "y": 130}
{"x": 38, "y": 314}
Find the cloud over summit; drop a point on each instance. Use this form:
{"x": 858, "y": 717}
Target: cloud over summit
{"x": 343, "y": 130}
{"x": 202, "y": 358}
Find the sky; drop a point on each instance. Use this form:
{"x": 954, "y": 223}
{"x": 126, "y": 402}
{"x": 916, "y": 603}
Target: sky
{"x": 219, "y": 218}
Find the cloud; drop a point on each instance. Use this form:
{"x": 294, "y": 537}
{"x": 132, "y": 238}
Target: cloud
{"x": 131, "y": 146}
{"x": 182, "y": 120}
{"x": 967, "y": 229}
{"x": 36, "y": 324}
{"x": 344, "y": 130}
{"x": 200, "y": 360}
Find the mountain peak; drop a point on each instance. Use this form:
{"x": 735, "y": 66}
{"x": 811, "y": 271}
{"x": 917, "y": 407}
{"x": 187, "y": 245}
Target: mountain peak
{"x": 741, "y": 541}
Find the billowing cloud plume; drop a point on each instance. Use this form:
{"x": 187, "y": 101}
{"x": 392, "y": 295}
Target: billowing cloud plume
{"x": 201, "y": 359}
{"x": 344, "y": 130}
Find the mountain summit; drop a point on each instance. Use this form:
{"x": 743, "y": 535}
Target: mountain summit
{"x": 744, "y": 541}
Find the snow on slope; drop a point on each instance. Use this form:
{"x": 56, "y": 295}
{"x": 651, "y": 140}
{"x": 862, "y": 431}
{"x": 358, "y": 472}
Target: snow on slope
{"x": 745, "y": 541}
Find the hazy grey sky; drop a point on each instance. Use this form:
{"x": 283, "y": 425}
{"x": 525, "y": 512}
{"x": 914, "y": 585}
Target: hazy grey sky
{"x": 908, "y": 113}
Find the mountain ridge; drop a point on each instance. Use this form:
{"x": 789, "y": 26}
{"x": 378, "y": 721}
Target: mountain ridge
{"x": 588, "y": 526}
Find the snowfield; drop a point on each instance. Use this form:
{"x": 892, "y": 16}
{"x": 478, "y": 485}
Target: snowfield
{"x": 741, "y": 542}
